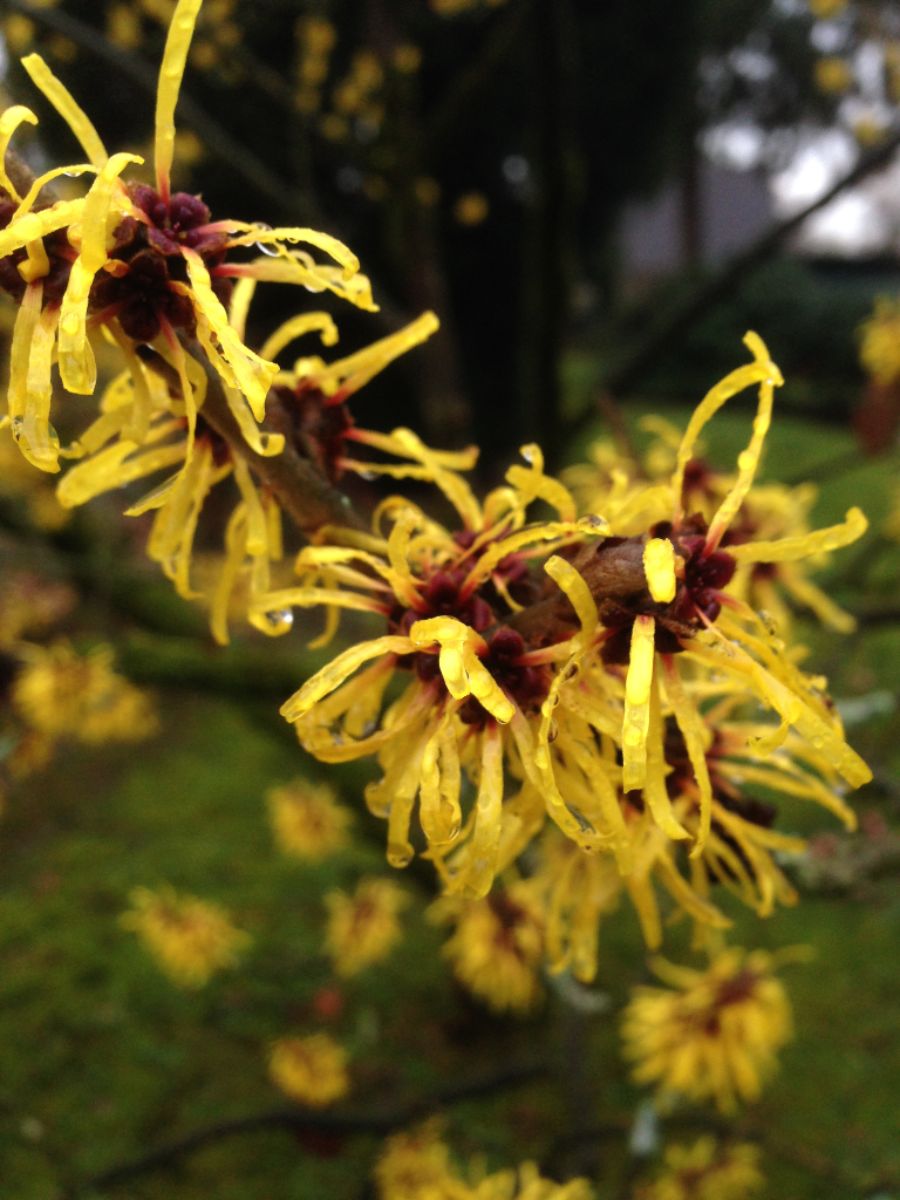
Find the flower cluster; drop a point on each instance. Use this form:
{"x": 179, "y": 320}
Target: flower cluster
{"x": 706, "y": 1171}
{"x": 417, "y": 1165}
{"x": 52, "y": 693}
{"x": 608, "y": 669}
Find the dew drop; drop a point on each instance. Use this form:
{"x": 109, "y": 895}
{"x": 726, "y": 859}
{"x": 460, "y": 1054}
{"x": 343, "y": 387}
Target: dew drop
{"x": 280, "y": 619}
{"x": 399, "y": 856}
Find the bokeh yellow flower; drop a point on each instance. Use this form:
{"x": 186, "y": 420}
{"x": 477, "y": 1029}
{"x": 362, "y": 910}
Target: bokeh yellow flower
{"x": 471, "y": 208}
{"x": 709, "y": 1035}
{"x": 311, "y": 1070}
{"x": 826, "y": 8}
{"x": 191, "y": 939}
{"x": 833, "y": 75}
{"x": 61, "y": 693}
{"x": 308, "y": 820}
{"x": 706, "y": 1170}
{"x": 417, "y": 1165}
{"x": 497, "y": 946}
{"x": 879, "y": 349}
{"x": 363, "y": 926}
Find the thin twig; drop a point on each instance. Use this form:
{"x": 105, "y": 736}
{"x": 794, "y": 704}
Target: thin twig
{"x": 377, "y": 1122}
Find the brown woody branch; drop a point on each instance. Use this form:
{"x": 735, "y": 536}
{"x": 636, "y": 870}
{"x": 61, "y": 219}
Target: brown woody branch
{"x": 378, "y": 1122}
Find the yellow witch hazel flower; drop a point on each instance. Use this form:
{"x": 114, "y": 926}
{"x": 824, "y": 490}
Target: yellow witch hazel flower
{"x": 307, "y": 405}
{"x": 564, "y": 681}
{"x": 311, "y": 1070}
{"x": 470, "y": 692}
{"x": 661, "y": 614}
{"x": 709, "y": 1035}
{"x": 308, "y": 820}
{"x": 363, "y": 928}
{"x": 706, "y": 1170}
{"x": 497, "y": 946}
{"x": 61, "y": 693}
{"x": 191, "y": 939}
{"x": 417, "y": 1165}
{"x": 143, "y": 262}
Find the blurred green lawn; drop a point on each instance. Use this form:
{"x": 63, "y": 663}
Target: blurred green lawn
{"x": 102, "y": 1058}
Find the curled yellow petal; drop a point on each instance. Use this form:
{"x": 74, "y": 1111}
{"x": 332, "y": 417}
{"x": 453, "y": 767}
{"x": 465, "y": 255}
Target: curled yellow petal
{"x": 171, "y": 72}
{"x": 77, "y": 367}
{"x": 67, "y": 107}
{"x": 253, "y": 376}
{"x": 636, "y": 719}
{"x": 659, "y": 567}
{"x": 761, "y": 371}
{"x": 303, "y": 323}
{"x": 533, "y": 484}
{"x": 481, "y": 863}
{"x": 333, "y": 674}
{"x": 819, "y": 541}
{"x": 351, "y": 373}
{"x": 578, "y": 594}
{"x": 10, "y": 121}
{"x": 34, "y": 225}
{"x": 249, "y": 234}
{"x": 461, "y": 668}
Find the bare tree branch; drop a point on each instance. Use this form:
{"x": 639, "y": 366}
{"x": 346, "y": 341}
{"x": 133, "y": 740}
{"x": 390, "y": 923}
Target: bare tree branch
{"x": 378, "y": 1122}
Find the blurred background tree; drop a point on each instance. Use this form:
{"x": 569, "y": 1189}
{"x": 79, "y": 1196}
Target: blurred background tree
{"x": 552, "y": 176}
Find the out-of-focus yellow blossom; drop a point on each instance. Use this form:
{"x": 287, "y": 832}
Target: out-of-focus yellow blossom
{"x": 471, "y": 209}
{"x": 61, "y": 693}
{"x": 869, "y": 130}
{"x": 30, "y": 604}
{"x": 311, "y": 1070}
{"x": 318, "y": 35}
{"x": 497, "y": 947}
{"x": 823, "y": 9}
{"x": 333, "y": 127}
{"x": 191, "y": 939}
{"x": 706, "y": 1170}
{"x": 879, "y": 349}
{"x": 417, "y": 1165}
{"x": 308, "y": 820}
{"x": 18, "y": 33}
{"x": 833, "y": 75}
{"x": 427, "y": 191}
{"x": 452, "y": 8}
{"x": 891, "y": 526}
{"x": 123, "y": 26}
{"x": 363, "y": 927}
{"x": 145, "y": 264}
{"x": 709, "y": 1035}
{"x": 407, "y": 58}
